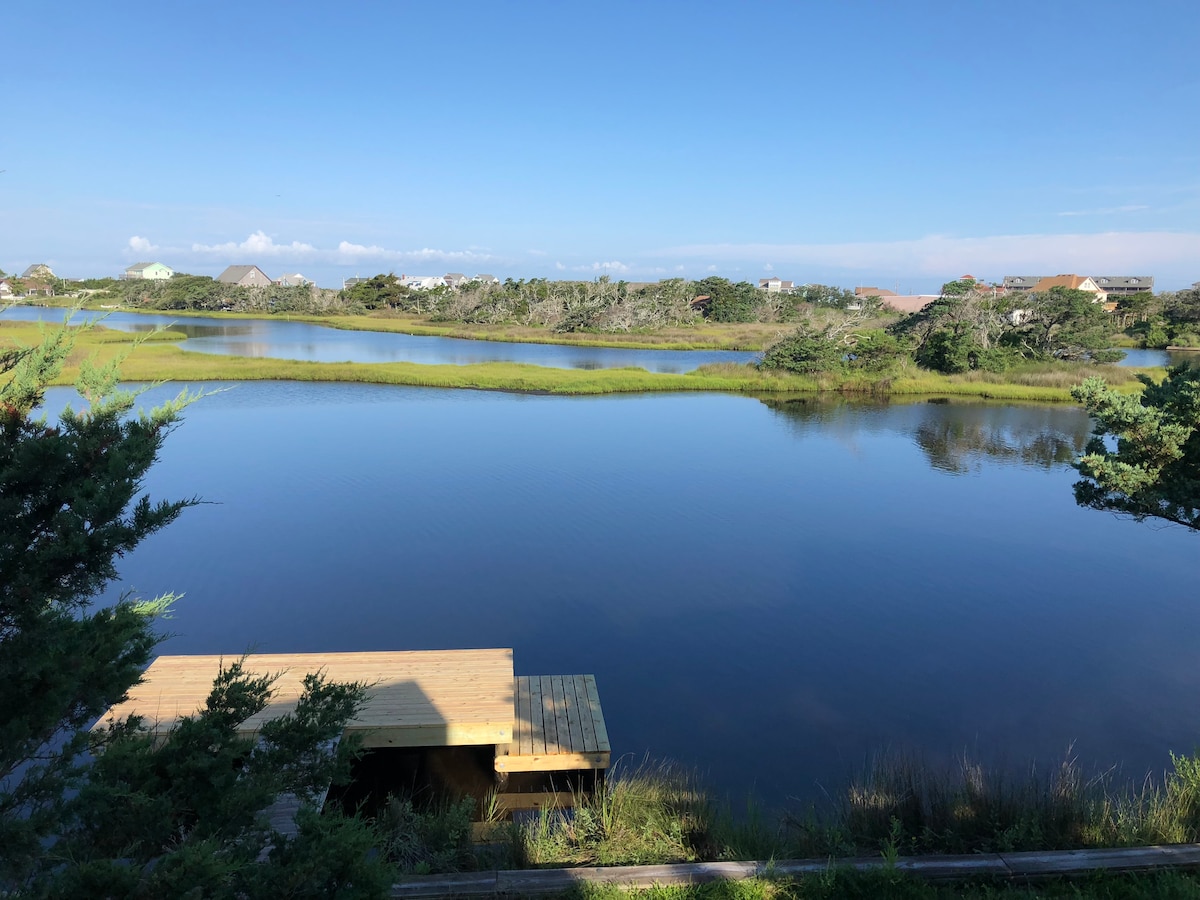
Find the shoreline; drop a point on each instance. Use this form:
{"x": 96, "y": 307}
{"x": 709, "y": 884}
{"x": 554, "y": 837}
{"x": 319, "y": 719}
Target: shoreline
{"x": 159, "y": 359}
{"x": 504, "y": 334}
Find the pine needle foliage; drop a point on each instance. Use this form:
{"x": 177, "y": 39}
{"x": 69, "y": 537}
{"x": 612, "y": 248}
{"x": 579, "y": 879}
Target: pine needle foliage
{"x": 121, "y": 813}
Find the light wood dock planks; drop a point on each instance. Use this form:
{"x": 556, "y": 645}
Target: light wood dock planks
{"x": 559, "y": 726}
{"x": 417, "y": 698}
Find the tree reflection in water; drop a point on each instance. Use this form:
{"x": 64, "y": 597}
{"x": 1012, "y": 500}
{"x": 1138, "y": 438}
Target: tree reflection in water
{"x": 957, "y": 436}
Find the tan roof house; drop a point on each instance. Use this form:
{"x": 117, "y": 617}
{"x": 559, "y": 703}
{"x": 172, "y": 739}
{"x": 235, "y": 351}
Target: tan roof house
{"x": 1074, "y": 283}
{"x": 910, "y": 303}
{"x": 244, "y": 276}
{"x": 6, "y": 290}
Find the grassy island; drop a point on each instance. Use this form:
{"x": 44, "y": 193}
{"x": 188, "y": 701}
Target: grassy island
{"x": 154, "y": 357}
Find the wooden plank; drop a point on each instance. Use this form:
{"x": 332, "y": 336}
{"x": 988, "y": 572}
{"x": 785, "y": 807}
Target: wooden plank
{"x": 571, "y": 707}
{"x": 553, "y": 762}
{"x": 523, "y": 723}
{"x": 597, "y": 714}
{"x": 565, "y": 742}
{"x": 529, "y": 882}
{"x": 548, "y": 721}
{"x": 536, "y": 721}
{"x": 514, "y": 800}
{"x": 1037, "y": 864}
{"x": 585, "y": 716}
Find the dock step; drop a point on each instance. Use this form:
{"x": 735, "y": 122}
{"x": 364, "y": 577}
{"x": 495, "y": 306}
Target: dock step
{"x": 559, "y": 726}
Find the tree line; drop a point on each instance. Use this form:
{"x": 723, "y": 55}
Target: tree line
{"x": 962, "y": 330}
{"x": 1169, "y": 319}
{"x": 602, "y": 305}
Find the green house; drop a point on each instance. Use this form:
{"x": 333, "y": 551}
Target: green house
{"x": 148, "y": 271}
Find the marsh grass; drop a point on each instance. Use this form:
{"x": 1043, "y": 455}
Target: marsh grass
{"x": 898, "y": 801}
{"x": 898, "y": 806}
{"x": 155, "y": 359}
{"x": 652, "y": 814}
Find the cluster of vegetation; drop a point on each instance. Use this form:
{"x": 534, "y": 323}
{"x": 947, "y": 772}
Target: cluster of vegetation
{"x": 963, "y": 330}
{"x": 601, "y": 305}
{"x": 1170, "y": 319}
{"x": 200, "y": 292}
{"x": 1144, "y": 457}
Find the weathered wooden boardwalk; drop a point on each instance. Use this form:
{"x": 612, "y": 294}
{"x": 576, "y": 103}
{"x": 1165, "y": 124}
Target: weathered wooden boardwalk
{"x": 559, "y": 726}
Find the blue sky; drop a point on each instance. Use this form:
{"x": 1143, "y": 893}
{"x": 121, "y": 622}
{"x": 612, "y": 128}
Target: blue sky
{"x": 890, "y": 143}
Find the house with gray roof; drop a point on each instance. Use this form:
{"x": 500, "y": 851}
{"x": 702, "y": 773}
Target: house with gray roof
{"x": 1117, "y": 285}
{"x": 245, "y": 276}
{"x": 1113, "y": 285}
{"x": 486, "y": 279}
{"x": 38, "y": 270}
{"x": 454, "y": 279}
{"x": 293, "y": 280}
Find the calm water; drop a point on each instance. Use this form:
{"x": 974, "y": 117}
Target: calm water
{"x": 769, "y": 592}
{"x": 281, "y": 339}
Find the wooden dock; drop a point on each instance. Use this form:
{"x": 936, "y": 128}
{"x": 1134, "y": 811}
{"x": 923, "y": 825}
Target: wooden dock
{"x": 417, "y": 698}
{"x": 559, "y": 726}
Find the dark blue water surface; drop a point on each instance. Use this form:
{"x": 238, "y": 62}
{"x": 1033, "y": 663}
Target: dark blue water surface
{"x": 770, "y": 592}
{"x": 281, "y": 339}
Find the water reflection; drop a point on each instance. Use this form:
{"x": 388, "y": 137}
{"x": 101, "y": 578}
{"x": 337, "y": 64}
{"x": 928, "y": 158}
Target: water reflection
{"x": 282, "y": 339}
{"x": 957, "y": 437}
{"x": 768, "y": 592}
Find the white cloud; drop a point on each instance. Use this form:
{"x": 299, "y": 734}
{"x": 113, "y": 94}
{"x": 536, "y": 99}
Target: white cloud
{"x": 351, "y": 253}
{"x": 560, "y": 267}
{"x": 259, "y": 244}
{"x": 141, "y": 245}
{"x": 939, "y": 254}
{"x": 613, "y": 266}
{"x": 536, "y": 252}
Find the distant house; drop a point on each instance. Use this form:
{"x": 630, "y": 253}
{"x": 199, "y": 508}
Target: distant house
{"x": 774, "y": 285}
{"x": 6, "y": 291}
{"x": 454, "y": 279}
{"x": 293, "y": 280}
{"x": 244, "y": 276}
{"x": 1108, "y": 284}
{"x": 38, "y": 270}
{"x": 1121, "y": 285}
{"x": 909, "y": 303}
{"x": 1074, "y": 283}
{"x": 421, "y": 282}
{"x": 486, "y": 279}
{"x": 148, "y": 271}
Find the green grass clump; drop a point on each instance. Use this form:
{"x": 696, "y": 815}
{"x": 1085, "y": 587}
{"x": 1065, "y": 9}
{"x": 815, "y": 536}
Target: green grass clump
{"x": 651, "y": 815}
